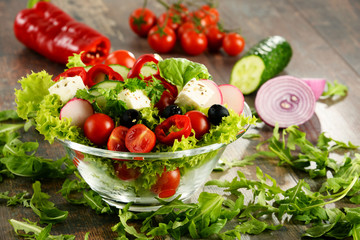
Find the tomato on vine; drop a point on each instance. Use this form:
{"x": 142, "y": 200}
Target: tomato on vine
{"x": 193, "y": 42}
{"x": 162, "y": 39}
{"x": 233, "y": 44}
{"x": 215, "y": 37}
{"x": 141, "y": 21}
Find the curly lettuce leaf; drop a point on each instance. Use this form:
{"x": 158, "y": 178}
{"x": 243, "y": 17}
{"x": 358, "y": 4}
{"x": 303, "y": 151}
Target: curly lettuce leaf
{"x": 75, "y": 61}
{"x": 179, "y": 71}
{"x": 48, "y": 122}
{"x": 34, "y": 88}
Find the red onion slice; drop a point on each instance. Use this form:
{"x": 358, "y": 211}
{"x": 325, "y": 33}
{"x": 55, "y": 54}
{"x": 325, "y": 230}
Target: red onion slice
{"x": 285, "y": 100}
{"x": 317, "y": 85}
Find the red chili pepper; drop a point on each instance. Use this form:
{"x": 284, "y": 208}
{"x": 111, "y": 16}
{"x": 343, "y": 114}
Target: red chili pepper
{"x": 54, "y": 34}
{"x": 173, "y": 128}
{"x": 72, "y": 72}
{"x": 139, "y": 63}
{"x": 99, "y": 73}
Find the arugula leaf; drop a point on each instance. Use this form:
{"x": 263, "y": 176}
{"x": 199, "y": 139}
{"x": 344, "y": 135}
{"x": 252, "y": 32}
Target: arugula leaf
{"x": 19, "y": 198}
{"x": 45, "y": 209}
{"x": 335, "y": 89}
{"x": 30, "y": 230}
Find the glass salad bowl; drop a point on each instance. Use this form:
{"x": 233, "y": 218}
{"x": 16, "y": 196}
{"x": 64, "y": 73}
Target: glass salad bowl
{"x": 105, "y": 173}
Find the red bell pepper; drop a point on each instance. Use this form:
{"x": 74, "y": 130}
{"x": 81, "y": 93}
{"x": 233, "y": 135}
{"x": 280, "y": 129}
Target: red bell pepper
{"x": 72, "y": 72}
{"x": 174, "y": 127}
{"x": 99, "y": 73}
{"x": 54, "y": 34}
{"x": 139, "y": 63}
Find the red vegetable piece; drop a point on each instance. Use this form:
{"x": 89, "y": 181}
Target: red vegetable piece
{"x": 174, "y": 127}
{"x": 135, "y": 70}
{"x": 116, "y": 141}
{"x": 98, "y": 127}
{"x": 285, "y": 100}
{"x": 317, "y": 85}
{"x": 166, "y": 99}
{"x": 199, "y": 122}
{"x": 140, "y": 139}
{"x": 167, "y": 183}
{"x": 125, "y": 173}
{"x": 72, "y": 72}
{"x": 97, "y": 74}
{"x": 52, "y": 33}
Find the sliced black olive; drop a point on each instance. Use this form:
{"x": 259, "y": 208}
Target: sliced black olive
{"x": 216, "y": 112}
{"x": 171, "y": 110}
{"x": 129, "y": 118}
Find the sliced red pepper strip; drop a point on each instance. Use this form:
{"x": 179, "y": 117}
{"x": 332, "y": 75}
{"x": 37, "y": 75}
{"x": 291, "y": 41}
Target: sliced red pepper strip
{"x": 139, "y": 63}
{"x": 97, "y": 74}
{"x": 54, "y": 34}
{"x": 173, "y": 128}
{"x": 171, "y": 87}
{"x": 72, "y": 72}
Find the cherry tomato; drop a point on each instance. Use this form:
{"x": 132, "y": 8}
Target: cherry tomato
{"x": 185, "y": 27}
{"x": 98, "y": 127}
{"x": 122, "y": 57}
{"x": 233, "y": 44}
{"x": 116, "y": 141}
{"x": 172, "y": 20}
{"x": 167, "y": 183}
{"x": 199, "y": 122}
{"x": 125, "y": 173}
{"x": 140, "y": 139}
{"x": 141, "y": 21}
{"x": 193, "y": 42}
{"x": 179, "y": 9}
{"x": 166, "y": 99}
{"x": 215, "y": 38}
{"x": 211, "y": 15}
{"x": 162, "y": 39}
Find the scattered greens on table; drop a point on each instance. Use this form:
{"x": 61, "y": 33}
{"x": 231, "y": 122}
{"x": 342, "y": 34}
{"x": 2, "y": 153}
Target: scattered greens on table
{"x": 212, "y": 212}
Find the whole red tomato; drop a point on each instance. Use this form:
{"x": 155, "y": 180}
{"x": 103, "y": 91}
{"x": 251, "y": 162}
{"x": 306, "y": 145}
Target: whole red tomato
{"x": 166, "y": 99}
{"x": 98, "y": 127}
{"x": 199, "y": 122}
{"x": 233, "y": 44}
{"x": 179, "y": 9}
{"x": 193, "y": 42}
{"x": 140, "y": 139}
{"x": 171, "y": 19}
{"x": 162, "y": 39}
{"x": 185, "y": 27}
{"x": 167, "y": 183}
{"x": 141, "y": 21}
{"x": 122, "y": 57}
{"x": 215, "y": 38}
{"x": 206, "y": 16}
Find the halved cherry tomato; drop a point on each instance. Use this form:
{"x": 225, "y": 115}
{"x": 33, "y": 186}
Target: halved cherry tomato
{"x": 141, "y": 21}
{"x": 193, "y": 42}
{"x": 124, "y": 173}
{"x": 140, "y": 139}
{"x": 199, "y": 122}
{"x": 174, "y": 127}
{"x": 72, "y": 72}
{"x": 121, "y": 57}
{"x": 98, "y": 127}
{"x": 116, "y": 141}
{"x": 161, "y": 38}
{"x": 167, "y": 183}
{"x": 233, "y": 44}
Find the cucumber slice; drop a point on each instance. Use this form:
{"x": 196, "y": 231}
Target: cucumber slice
{"x": 107, "y": 84}
{"x": 263, "y": 61}
{"x": 122, "y": 70}
{"x": 148, "y": 70}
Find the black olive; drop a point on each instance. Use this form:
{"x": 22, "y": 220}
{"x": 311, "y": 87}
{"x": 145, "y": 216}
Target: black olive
{"x": 129, "y": 118}
{"x": 171, "y": 110}
{"x": 216, "y": 112}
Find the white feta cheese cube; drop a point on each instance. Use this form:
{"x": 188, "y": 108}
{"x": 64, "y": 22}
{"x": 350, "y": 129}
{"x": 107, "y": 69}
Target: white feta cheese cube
{"x": 195, "y": 93}
{"x": 134, "y": 100}
{"x": 66, "y": 88}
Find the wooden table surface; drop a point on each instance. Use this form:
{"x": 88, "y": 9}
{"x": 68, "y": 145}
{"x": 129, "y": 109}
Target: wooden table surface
{"x": 325, "y": 37}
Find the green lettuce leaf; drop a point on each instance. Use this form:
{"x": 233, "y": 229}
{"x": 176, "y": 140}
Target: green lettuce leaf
{"x": 179, "y": 71}
{"x": 75, "y": 61}
{"x": 34, "y": 88}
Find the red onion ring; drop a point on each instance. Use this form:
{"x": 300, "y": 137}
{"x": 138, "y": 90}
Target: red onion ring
{"x": 285, "y": 100}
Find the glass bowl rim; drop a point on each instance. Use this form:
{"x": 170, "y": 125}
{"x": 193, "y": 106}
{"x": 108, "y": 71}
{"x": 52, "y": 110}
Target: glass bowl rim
{"x": 152, "y": 155}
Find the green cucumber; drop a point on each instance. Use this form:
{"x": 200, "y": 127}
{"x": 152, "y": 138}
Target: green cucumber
{"x": 107, "y": 84}
{"x": 262, "y": 62}
{"x": 122, "y": 70}
{"x": 148, "y": 70}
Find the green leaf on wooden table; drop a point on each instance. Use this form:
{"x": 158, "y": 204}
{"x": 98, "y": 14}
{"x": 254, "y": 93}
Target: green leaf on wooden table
{"x": 30, "y": 230}
{"x": 335, "y": 89}
{"x": 44, "y": 208}
{"x": 19, "y": 198}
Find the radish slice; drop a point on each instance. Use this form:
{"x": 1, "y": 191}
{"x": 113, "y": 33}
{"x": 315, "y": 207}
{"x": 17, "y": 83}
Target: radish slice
{"x": 233, "y": 97}
{"x": 285, "y": 100}
{"x": 317, "y": 85}
{"x": 218, "y": 97}
{"x": 78, "y": 110}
